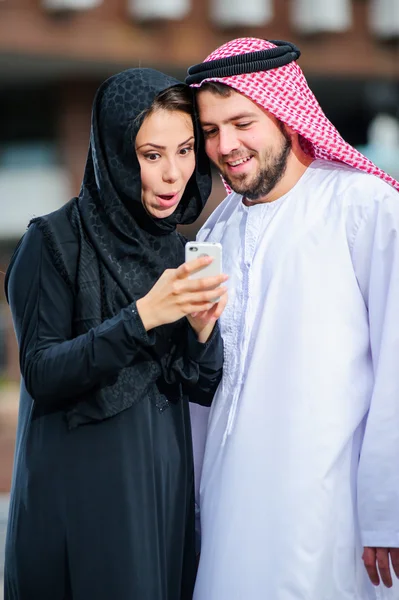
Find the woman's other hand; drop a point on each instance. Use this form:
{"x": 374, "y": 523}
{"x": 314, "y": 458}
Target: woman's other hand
{"x": 175, "y": 296}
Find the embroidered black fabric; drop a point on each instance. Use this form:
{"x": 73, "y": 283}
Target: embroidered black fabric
{"x": 263, "y": 60}
{"x": 120, "y": 250}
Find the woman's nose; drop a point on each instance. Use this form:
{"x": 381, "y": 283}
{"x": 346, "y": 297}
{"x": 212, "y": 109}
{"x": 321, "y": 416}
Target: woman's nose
{"x": 171, "y": 172}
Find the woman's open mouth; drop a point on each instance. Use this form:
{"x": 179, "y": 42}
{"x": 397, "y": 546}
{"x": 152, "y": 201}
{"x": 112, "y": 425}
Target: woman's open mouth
{"x": 168, "y": 200}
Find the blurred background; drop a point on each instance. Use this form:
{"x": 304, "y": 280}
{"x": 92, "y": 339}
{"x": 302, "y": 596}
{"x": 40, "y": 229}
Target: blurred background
{"x": 55, "y": 53}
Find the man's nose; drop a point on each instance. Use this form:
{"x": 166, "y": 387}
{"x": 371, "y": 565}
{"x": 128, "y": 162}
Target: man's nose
{"x": 228, "y": 141}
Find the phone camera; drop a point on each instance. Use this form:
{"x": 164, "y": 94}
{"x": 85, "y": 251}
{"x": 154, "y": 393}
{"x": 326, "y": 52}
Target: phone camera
{"x": 193, "y": 248}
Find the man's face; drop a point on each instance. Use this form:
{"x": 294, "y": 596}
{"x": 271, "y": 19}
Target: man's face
{"x": 248, "y": 145}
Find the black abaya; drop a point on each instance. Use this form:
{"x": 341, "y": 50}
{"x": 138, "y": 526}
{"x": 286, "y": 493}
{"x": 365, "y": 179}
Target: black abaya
{"x": 107, "y": 506}
{"x": 102, "y": 501}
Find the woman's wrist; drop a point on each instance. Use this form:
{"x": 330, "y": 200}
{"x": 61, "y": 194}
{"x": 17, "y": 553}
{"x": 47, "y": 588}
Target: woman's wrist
{"x": 146, "y": 314}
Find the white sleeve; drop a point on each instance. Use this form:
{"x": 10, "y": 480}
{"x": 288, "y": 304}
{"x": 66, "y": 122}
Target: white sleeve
{"x": 376, "y": 263}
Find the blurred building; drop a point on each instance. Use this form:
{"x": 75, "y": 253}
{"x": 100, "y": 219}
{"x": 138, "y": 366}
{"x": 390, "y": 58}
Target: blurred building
{"x": 54, "y": 54}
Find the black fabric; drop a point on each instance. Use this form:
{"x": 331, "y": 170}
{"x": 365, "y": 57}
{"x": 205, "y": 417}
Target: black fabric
{"x": 262, "y": 60}
{"x": 102, "y": 494}
{"x": 123, "y": 250}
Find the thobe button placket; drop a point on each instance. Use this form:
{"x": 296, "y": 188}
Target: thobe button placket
{"x": 252, "y": 227}
{"x": 255, "y": 218}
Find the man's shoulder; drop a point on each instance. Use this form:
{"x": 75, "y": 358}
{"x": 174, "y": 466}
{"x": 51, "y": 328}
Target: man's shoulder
{"x": 221, "y": 213}
{"x": 352, "y": 187}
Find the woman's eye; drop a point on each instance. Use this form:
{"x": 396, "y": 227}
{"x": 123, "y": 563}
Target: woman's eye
{"x": 187, "y": 150}
{"x": 243, "y": 125}
{"x": 152, "y": 157}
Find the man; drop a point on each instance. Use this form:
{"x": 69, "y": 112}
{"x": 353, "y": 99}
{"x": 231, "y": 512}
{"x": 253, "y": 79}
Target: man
{"x": 300, "y": 473}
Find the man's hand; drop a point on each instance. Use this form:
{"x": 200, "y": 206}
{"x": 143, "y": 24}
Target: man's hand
{"x": 204, "y": 322}
{"x": 376, "y": 561}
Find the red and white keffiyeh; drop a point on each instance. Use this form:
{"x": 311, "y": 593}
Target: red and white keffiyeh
{"x": 285, "y": 93}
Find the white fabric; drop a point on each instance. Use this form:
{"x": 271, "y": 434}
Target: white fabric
{"x": 227, "y": 13}
{"x": 311, "y": 380}
{"x": 312, "y": 16}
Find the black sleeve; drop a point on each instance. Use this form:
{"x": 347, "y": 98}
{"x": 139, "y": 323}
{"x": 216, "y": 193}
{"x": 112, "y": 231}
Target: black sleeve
{"x": 55, "y": 366}
{"x": 209, "y": 357}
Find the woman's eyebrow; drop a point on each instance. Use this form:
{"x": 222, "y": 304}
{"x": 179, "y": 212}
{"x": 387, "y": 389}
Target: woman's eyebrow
{"x": 164, "y": 147}
{"x": 188, "y": 140}
{"x": 152, "y": 145}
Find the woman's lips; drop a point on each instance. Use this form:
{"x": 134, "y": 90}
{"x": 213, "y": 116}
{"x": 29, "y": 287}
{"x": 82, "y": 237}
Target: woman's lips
{"x": 168, "y": 200}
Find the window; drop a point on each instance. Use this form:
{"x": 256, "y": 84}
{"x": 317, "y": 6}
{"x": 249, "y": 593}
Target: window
{"x": 159, "y": 9}
{"x": 384, "y": 18}
{"x": 313, "y": 16}
{"x": 70, "y": 4}
{"x": 228, "y": 13}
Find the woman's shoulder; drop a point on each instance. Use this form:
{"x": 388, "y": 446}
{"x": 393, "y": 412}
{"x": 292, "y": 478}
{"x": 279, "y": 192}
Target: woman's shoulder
{"x": 57, "y": 223}
{"x": 28, "y": 246}
{"x": 51, "y": 236}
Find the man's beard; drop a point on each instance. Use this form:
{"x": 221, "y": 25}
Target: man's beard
{"x": 267, "y": 178}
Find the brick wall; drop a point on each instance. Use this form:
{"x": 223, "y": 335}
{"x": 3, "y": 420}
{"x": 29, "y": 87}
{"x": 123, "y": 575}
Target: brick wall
{"x": 106, "y": 34}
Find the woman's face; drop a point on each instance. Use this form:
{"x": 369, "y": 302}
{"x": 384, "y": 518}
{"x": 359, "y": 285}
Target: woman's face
{"x": 165, "y": 151}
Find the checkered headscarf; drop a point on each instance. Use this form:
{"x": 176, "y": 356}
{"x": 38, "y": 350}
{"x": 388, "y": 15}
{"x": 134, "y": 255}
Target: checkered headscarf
{"x": 284, "y": 92}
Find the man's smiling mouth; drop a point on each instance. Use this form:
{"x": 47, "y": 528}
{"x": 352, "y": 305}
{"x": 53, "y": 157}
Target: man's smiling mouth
{"x": 239, "y": 161}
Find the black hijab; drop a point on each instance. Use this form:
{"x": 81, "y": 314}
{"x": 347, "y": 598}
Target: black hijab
{"x": 135, "y": 247}
{"x": 121, "y": 250}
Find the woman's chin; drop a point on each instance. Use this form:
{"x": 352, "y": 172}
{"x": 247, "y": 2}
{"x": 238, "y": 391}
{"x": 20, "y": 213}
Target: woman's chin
{"x": 161, "y": 213}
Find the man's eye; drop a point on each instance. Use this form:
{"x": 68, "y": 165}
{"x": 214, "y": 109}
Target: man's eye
{"x": 244, "y": 125}
{"x": 209, "y": 132}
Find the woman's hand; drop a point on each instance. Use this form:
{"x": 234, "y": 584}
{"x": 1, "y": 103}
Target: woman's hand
{"x": 175, "y": 296}
{"x": 204, "y": 322}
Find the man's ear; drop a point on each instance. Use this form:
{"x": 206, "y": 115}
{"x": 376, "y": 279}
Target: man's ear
{"x": 291, "y": 132}
{"x": 292, "y": 135}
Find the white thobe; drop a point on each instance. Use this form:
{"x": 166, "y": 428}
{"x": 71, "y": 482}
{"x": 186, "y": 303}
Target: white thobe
{"x": 301, "y": 462}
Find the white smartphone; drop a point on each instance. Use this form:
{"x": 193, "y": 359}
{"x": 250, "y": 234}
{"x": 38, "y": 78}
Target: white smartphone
{"x": 197, "y": 249}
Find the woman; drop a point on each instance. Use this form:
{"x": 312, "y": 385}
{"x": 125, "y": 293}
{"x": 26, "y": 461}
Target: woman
{"x": 102, "y": 496}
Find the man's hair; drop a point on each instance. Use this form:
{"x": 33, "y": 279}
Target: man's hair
{"x": 217, "y": 88}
